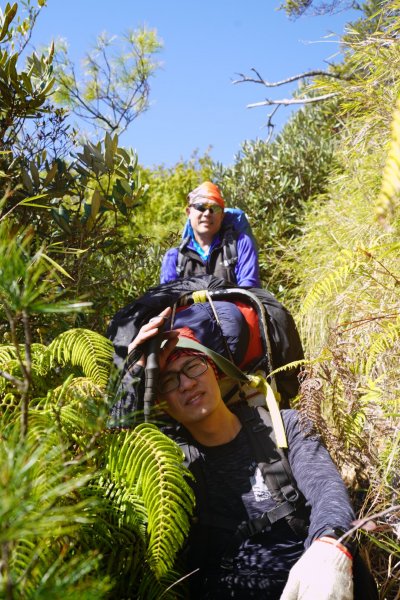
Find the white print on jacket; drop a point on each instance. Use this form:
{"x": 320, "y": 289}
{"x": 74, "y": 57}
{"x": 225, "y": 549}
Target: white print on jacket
{"x": 260, "y": 490}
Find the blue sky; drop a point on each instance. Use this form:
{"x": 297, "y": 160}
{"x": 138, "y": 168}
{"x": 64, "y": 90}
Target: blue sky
{"x": 194, "y": 105}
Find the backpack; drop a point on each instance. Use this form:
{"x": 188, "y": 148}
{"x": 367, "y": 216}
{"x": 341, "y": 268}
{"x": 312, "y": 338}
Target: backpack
{"x": 235, "y": 222}
{"x": 283, "y": 340}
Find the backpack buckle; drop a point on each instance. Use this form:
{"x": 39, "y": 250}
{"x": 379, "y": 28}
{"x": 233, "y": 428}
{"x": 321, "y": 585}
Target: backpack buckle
{"x": 247, "y": 529}
{"x": 290, "y": 493}
{"x": 228, "y": 262}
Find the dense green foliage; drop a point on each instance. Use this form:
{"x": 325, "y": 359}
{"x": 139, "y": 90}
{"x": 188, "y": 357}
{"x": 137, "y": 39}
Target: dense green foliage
{"x": 91, "y": 512}
{"x": 164, "y": 212}
{"x": 347, "y": 266}
{"x": 86, "y": 511}
{"x": 76, "y": 207}
{"x": 273, "y": 181}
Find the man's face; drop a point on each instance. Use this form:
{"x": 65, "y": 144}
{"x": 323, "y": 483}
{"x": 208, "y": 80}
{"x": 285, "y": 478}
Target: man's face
{"x": 207, "y": 222}
{"x": 195, "y": 397}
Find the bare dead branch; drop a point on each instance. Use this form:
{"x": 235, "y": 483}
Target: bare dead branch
{"x": 270, "y": 125}
{"x": 17, "y": 382}
{"x": 365, "y": 321}
{"x": 359, "y": 523}
{"x": 271, "y": 84}
{"x": 289, "y": 101}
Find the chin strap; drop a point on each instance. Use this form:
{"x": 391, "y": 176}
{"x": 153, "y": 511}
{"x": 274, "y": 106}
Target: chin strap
{"x": 255, "y": 381}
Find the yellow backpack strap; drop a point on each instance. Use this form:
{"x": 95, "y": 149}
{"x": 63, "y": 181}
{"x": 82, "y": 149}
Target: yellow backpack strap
{"x": 259, "y": 382}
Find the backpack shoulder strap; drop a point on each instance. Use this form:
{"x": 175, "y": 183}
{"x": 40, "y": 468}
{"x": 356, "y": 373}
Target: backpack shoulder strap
{"x": 229, "y": 246}
{"x": 280, "y": 479}
{"x": 180, "y": 263}
{"x": 276, "y": 472}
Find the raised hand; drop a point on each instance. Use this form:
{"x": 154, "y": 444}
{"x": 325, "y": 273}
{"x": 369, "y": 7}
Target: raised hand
{"x": 151, "y": 329}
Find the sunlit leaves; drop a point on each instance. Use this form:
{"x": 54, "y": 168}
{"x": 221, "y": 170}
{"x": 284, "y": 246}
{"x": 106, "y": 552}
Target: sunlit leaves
{"x": 140, "y": 458}
{"x": 114, "y": 87}
{"x": 87, "y": 349}
{"x": 389, "y": 196}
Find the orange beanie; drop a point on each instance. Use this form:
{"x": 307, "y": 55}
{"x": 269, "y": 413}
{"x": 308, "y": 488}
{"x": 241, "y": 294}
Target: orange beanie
{"x": 207, "y": 191}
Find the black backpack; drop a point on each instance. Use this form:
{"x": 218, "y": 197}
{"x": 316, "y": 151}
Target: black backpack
{"x": 282, "y": 345}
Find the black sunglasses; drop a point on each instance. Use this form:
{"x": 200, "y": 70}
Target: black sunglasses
{"x": 203, "y": 206}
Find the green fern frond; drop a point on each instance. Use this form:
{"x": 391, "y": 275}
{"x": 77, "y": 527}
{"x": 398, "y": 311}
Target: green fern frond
{"x": 384, "y": 341}
{"x": 86, "y": 349}
{"x": 43, "y": 570}
{"x": 353, "y": 426}
{"x": 122, "y": 532}
{"x": 77, "y": 391}
{"x": 42, "y": 430}
{"x": 23, "y": 559}
{"x": 7, "y": 353}
{"x": 82, "y": 409}
{"x": 391, "y": 460}
{"x": 151, "y": 463}
{"x": 128, "y": 507}
{"x": 168, "y": 587}
{"x": 8, "y": 405}
{"x": 298, "y": 363}
{"x": 329, "y": 284}
{"x": 37, "y": 353}
{"x": 39, "y": 384}
{"x": 12, "y": 367}
{"x": 389, "y": 195}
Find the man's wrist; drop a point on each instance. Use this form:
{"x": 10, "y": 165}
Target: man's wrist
{"x": 337, "y": 533}
{"x": 330, "y": 540}
{"x": 132, "y": 359}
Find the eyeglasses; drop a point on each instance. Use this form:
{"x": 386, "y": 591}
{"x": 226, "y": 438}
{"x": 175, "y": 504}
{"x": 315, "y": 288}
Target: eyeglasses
{"x": 172, "y": 380}
{"x": 203, "y": 206}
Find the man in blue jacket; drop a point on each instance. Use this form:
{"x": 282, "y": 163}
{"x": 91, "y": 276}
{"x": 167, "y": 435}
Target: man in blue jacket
{"x": 212, "y": 247}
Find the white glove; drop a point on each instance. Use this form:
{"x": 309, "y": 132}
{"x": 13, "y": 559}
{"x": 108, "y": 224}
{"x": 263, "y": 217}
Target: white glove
{"x": 324, "y": 572}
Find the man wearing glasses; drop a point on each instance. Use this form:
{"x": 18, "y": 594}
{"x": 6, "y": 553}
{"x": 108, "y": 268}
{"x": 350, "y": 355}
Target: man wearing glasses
{"x": 246, "y": 541}
{"x": 211, "y": 247}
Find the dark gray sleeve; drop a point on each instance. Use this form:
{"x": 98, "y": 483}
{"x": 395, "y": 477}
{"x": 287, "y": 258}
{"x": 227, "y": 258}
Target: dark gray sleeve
{"x": 318, "y": 479}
